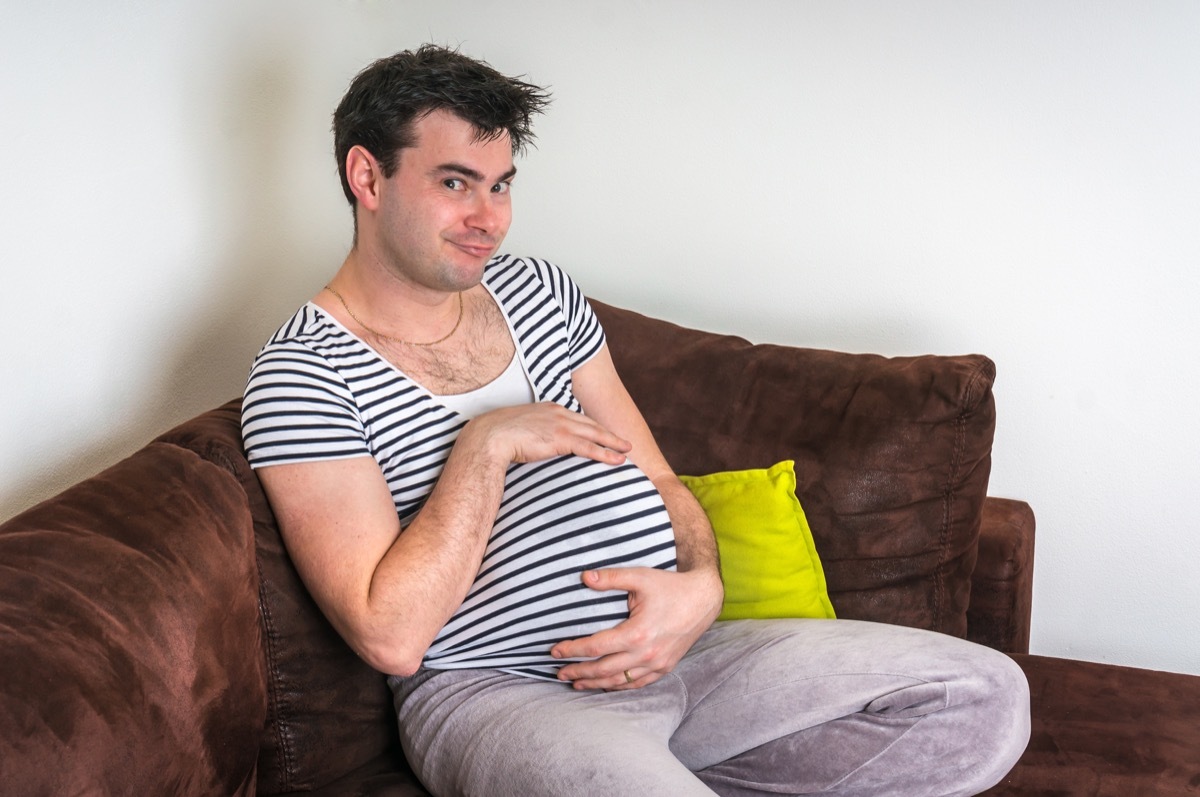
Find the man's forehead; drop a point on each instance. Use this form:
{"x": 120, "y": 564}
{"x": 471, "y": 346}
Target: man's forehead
{"x": 444, "y": 124}
{"x": 442, "y": 136}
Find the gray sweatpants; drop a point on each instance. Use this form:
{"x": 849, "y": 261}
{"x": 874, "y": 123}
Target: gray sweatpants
{"x": 833, "y": 707}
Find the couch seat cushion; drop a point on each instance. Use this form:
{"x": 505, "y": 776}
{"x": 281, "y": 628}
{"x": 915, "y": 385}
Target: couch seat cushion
{"x": 1105, "y": 731}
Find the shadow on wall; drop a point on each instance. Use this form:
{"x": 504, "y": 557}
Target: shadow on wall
{"x": 264, "y": 267}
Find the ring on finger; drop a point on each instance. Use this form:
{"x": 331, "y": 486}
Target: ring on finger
{"x": 628, "y": 677}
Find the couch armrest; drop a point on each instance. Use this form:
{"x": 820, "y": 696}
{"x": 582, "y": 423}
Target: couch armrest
{"x": 329, "y": 714}
{"x": 1002, "y": 585}
{"x": 129, "y": 635}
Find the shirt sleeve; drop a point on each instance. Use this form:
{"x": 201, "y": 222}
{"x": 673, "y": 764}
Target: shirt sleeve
{"x": 298, "y": 408}
{"x": 585, "y": 335}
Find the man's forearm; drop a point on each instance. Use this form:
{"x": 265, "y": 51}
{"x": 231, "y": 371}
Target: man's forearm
{"x": 424, "y": 577}
{"x": 430, "y": 567}
{"x": 695, "y": 545}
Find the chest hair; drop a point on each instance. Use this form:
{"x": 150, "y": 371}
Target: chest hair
{"x": 474, "y": 356}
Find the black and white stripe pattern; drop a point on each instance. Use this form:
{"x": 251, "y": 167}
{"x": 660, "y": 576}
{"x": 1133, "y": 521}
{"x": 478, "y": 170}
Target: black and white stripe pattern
{"x": 557, "y": 519}
{"x": 317, "y": 392}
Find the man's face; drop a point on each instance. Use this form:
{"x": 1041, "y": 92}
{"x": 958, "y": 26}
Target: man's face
{"x": 446, "y": 209}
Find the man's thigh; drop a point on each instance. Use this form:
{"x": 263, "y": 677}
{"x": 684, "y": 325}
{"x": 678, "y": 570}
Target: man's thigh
{"x": 826, "y": 700}
{"x": 752, "y": 681}
{"x": 482, "y": 732}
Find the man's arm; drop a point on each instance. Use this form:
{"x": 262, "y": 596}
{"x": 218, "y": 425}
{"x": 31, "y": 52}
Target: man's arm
{"x": 389, "y": 592}
{"x": 668, "y": 611}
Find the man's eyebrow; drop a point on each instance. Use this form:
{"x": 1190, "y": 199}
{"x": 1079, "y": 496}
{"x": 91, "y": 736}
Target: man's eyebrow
{"x": 472, "y": 174}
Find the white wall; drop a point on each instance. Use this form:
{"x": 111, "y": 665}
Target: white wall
{"x": 1018, "y": 178}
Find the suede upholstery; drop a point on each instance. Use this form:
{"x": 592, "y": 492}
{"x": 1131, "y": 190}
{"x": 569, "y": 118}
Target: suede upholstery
{"x": 129, "y": 635}
{"x": 155, "y": 638}
{"x": 1105, "y": 731}
{"x": 329, "y": 713}
{"x": 892, "y": 455}
{"x": 1002, "y": 584}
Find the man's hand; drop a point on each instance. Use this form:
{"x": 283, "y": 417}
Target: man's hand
{"x": 668, "y": 612}
{"x": 534, "y": 432}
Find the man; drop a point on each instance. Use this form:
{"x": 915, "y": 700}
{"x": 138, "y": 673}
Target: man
{"x": 476, "y": 504}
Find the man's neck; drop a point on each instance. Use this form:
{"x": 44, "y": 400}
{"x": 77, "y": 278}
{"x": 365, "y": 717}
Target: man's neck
{"x": 377, "y": 300}
{"x": 473, "y": 349}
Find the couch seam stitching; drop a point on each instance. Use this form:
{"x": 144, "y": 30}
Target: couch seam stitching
{"x": 966, "y": 401}
{"x": 275, "y": 707}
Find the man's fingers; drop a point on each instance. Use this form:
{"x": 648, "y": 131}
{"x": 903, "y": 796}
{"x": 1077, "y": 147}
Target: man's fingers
{"x": 608, "y": 668}
{"x": 589, "y": 647}
{"x": 599, "y": 452}
{"x": 633, "y": 678}
{"x": 626, "y": 679}
{"x": 629, "y": 579}
{"x": 541, "y": 431}
{"x": 594, "y": 440}
{"x": 659, "y": 630}
{"x": 615, "y": 672}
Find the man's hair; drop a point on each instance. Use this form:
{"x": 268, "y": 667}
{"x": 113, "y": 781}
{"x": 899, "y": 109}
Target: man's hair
{"x": 389, "y": 96}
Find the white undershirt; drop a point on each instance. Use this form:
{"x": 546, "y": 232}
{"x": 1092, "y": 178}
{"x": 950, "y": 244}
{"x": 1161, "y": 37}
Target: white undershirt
{"x": 509, "y": 389}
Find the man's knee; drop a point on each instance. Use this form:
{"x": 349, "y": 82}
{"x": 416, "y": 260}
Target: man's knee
{"x": 1000, "y": 721}
{"x": 1015, "y": 686}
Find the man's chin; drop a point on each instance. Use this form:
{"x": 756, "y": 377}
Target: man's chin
{"x": 470, "y": 260}
{"x": 461, "y": 276}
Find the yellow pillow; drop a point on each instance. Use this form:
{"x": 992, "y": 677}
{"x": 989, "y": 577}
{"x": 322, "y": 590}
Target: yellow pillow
{"x": 768, "y": 560}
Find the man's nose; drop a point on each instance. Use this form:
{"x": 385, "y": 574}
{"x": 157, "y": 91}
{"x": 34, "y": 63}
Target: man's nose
{"x": 488, "y": 214}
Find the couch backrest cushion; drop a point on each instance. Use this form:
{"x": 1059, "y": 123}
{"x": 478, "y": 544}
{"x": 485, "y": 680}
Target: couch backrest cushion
{"x": 129, "y": 635}
{"x": 329, "y": 713}
{"x": 892, "y": 455}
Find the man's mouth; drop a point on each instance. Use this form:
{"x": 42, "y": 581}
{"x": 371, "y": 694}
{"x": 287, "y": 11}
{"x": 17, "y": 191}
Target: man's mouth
{"x": 476, "y": 249}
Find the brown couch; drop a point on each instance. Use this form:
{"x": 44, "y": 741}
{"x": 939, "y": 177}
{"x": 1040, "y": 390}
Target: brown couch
{"x": 155, "y": 640}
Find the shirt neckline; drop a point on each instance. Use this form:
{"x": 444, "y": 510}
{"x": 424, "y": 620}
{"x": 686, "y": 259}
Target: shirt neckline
{"x": 425, "y": 393}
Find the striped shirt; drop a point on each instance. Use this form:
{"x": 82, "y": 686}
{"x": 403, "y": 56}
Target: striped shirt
{"x": 316, "y": 392}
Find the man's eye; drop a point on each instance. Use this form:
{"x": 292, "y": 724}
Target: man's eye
{"x": 501, "y": 188}
{"x": 453, "y": 183}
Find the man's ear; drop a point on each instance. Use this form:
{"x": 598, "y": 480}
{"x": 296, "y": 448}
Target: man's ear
{"x": 364, "y": 174}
